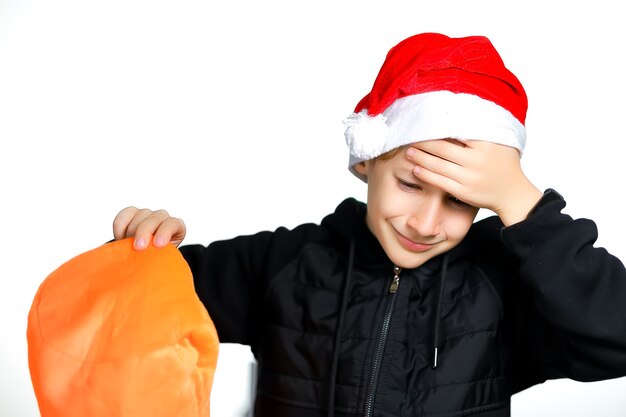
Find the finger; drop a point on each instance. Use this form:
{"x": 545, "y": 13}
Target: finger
{"x": 121, "y": 222}
{"x": 443, "y": 182}
{"x": 144, "y": 225}
{"x": 449, "y": 149}
{"x": 493, "y": 150}
{"x": 171, "y": 230}
{"x": 139, "y": 216}
{"x": 436, "y": 164}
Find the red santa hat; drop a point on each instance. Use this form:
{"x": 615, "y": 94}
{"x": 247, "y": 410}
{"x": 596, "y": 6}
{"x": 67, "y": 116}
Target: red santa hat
{"x": 432, "y": 86}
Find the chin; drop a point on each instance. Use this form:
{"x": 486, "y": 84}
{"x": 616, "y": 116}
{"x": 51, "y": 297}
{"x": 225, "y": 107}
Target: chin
{"x": 411, "y": 260}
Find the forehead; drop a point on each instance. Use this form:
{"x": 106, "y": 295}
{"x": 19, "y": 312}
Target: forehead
{"x": 395, "y": 159}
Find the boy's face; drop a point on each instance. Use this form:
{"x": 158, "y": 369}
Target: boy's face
{"x": 412, "y": 220}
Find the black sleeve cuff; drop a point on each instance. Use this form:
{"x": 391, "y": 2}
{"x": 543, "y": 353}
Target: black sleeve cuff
{"x": 542, "y": 219}
{"x": 549, "y": 196}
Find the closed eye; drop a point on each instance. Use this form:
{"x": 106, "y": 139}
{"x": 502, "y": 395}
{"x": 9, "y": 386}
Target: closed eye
{"x": 458, "y": 202}
{"x": 409, "y": 186}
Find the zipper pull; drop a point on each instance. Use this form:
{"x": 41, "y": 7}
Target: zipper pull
{"x": 396, "y": 279}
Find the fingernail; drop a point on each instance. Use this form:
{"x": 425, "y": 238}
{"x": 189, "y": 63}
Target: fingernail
{"x": 159, "y": 242}
{"x": 410, "y": 151}
{"x": 416, "y": 170}
{"x": 139, "y": 243}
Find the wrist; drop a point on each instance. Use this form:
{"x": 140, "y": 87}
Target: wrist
{"x": 519, "y": 203}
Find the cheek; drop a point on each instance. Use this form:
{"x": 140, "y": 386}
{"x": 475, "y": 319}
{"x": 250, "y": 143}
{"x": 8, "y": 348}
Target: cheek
{"x": 382, "y": 199}
{"x": 392, "y": 202}
{"x": 458, "y": 224}
{"x": 394, "y": 205}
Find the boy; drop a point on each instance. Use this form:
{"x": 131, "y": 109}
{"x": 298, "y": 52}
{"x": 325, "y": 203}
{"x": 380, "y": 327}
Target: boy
{"x": 405, "y": 306}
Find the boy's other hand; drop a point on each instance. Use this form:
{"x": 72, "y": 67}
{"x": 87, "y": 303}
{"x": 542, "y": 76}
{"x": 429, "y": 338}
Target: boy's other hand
{"x": 147, "y": 225}
{"x": 482, "y": 174}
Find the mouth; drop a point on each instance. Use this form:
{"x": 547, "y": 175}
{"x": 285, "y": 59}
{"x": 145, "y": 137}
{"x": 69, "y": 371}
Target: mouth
{"x": 412, "y": 245}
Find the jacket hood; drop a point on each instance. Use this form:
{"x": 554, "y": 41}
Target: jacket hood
{"x": 348, "y": 224}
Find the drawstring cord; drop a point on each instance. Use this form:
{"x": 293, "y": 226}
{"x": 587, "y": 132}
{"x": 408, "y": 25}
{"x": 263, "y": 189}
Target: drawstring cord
{"x": 337, "y": 341}
{"x": 442, "y": 283}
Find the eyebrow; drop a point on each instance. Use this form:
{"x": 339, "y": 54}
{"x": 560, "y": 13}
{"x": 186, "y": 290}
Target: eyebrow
{"x": 404, "y": 172}
{"x": 404, "y": 167}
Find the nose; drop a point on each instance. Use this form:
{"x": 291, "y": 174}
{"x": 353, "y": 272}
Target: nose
{"x": 426, "y": 219}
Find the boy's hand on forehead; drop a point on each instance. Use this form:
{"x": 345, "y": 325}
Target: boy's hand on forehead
{"x": 480, "y": 173}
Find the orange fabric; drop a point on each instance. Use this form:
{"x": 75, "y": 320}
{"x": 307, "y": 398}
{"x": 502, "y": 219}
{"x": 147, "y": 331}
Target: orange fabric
{"x": 120, "y": 332}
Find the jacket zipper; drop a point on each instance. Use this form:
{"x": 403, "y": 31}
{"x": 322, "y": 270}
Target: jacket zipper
{"x": 372, "y": 384}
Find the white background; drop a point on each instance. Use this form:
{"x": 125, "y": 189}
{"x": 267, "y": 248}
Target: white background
{"x": 228, "y": 114}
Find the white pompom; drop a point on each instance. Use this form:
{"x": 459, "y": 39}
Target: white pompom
{"x": 366, "y": 136}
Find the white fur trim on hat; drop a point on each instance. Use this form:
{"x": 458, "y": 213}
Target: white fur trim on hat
{"x": 366, "y": 136}
{"x": 429, "y": 116}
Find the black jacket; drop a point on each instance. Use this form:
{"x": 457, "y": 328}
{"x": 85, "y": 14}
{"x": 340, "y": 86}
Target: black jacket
{"x": 334, "y": 335}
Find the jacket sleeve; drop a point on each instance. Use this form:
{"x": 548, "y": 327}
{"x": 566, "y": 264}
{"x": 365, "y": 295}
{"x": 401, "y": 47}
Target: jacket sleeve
{"x": 574, "y": 323}
{"x": 230, "y": 276}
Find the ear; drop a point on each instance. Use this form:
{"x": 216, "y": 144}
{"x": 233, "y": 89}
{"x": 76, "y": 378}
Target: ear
{"x": 362, "y": 168}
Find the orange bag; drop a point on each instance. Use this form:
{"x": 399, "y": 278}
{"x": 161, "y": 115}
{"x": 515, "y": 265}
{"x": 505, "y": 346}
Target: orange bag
{"x": 119, "y": 332}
